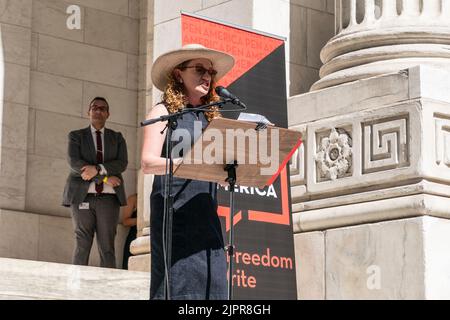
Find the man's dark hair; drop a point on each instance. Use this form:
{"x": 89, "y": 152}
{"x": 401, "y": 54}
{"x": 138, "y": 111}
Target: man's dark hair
{"x": 99, "y": 98}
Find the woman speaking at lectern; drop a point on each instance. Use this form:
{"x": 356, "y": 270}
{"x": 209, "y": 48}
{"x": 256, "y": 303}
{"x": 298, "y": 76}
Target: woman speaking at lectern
{"x": 198, "y": 269}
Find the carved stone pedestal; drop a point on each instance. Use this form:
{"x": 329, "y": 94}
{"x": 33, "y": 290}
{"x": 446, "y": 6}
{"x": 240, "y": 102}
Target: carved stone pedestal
{"x": 370, "y": 187}
{"x": 140, "y": 248}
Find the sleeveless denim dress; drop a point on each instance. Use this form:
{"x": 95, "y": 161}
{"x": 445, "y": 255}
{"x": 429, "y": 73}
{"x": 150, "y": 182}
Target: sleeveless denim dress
{"x": 198, "y": 268}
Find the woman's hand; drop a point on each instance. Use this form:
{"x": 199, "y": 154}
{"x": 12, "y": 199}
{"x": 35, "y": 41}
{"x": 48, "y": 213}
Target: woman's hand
{"x": 224, "y": 184}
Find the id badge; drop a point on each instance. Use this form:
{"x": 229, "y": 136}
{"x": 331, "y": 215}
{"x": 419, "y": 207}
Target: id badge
{"x": 84, "y": 206}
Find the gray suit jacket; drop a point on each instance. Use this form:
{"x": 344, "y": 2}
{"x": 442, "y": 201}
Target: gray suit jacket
{"x": 82, "y": 152}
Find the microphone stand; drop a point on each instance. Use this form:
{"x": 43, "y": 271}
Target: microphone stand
{"x": 231, "y": 179}
{"x": 168, "y": 197}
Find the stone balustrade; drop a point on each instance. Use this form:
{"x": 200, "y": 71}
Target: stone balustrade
{"x": 374, "y": 37}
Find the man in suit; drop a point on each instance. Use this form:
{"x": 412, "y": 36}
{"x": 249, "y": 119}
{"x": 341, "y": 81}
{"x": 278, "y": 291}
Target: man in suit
{"x": 94, "y": 189}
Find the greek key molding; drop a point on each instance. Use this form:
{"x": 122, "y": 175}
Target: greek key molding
{"x": 385, "y": 144}
{"x": 297, "y": 164}
{"x": 297, "y": 167}
{"x": 442, "y": 131}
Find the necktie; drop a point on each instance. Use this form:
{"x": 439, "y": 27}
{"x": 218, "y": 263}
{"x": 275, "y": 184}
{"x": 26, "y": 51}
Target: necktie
{"x": 99, "y": 187}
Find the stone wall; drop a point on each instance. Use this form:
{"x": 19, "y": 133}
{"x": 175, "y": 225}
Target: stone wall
{"x": 51, "y": 74}
{"x": 311, "y": 26}
{"x": 15, "y": 19}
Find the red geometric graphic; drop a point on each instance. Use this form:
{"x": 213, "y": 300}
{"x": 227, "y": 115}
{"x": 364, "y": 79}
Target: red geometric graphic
{"x": 284, "y": 163}
{"x": 225, "y": 213}
{"x": 247, "y": 48}
{"x": 262, "y": 216}
{"x": 276, "y": 218}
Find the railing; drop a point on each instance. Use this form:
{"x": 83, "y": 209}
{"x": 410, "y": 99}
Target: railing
{"x": 357, "y": 15}
{"x": 381, "y": 36}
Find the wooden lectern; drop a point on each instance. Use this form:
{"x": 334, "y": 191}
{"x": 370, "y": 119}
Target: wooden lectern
{"x": 248, "y": 174}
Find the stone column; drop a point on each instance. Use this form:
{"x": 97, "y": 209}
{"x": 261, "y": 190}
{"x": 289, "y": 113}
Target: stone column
{"x": 370, "y": 183}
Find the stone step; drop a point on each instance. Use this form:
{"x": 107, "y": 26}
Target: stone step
{"x": 36, "y": 280}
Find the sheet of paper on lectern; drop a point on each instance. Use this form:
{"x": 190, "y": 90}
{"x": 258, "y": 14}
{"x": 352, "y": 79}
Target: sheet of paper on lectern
{"x": 253, "y": 117}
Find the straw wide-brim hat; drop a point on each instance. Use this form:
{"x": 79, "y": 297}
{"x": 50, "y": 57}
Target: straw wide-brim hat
{"x": 162, "y": 67}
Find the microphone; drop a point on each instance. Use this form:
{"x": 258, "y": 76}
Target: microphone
{"x": 224, "y": 93}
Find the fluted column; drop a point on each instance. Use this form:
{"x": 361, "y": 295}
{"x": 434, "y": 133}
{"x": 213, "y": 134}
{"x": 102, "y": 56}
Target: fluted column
{"x": 388, "y": 9}
{"x": 369, "y": 17}
{"x": 385, "y": 36}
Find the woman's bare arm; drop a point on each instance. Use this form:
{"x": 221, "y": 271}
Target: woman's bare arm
{"x": 151, "y": 160}
{"x": 127, "y": 220}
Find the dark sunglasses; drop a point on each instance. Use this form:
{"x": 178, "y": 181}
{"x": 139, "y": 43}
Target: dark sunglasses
{"x": 200, "y": 70}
